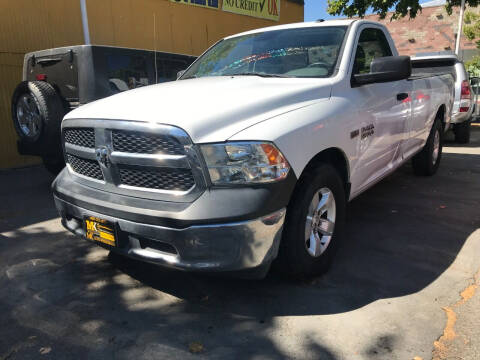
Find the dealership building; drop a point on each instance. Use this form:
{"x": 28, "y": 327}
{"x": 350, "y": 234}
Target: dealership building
{"x": 180, "y": 26}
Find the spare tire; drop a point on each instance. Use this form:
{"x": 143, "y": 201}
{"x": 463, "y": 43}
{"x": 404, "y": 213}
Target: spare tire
{"x": 37, "y": 113}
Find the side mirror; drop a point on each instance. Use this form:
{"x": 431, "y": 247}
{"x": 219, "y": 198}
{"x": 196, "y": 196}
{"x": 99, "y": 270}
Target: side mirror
{"x": 385, "y": 69}
{"x": 180, "y": 73}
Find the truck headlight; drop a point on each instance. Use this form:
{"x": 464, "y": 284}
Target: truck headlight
{"x": 244, "y": 163}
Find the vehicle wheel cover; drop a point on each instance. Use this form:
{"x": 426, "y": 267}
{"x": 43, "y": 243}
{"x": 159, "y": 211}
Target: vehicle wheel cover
{"x": 320, "y": 222}
{"x": 28, "y": 116}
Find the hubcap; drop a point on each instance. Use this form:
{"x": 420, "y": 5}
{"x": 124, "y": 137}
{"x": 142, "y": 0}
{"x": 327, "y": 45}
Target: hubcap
{"x": 320, "y": 222}
{"x": 436, "y": 147}
{"x": 28, "y": 116}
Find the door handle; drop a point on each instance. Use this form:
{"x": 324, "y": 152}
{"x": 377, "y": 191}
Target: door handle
{"x": 402, "y": 96}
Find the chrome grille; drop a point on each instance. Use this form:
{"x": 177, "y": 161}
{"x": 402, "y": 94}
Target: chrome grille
{"x": 81, "y": 137}
{"x": 85, "y": 167}
{"x": 158, "y": 179}
{"x": 142, "y": 143}
{"x": 144, "y": 160}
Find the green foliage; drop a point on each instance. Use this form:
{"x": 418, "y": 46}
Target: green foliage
{"x": 401, "y": 8}
{"x": 471, "y": 28}
{"x": 473, "y": 66}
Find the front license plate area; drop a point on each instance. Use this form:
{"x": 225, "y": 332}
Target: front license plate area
{"x": 100, "y": 230}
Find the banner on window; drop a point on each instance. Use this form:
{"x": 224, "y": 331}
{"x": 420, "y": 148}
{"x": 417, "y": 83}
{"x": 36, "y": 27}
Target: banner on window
{"x": 212, "y": 4}
{"x": 265, "y": 9}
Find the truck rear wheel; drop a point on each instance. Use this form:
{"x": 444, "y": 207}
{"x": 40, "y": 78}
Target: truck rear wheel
{"x": 427, "y": 161}
{"x": 314, "y": 223}
{"x": 37, "y": 113}
{"x": 462, "y": 132}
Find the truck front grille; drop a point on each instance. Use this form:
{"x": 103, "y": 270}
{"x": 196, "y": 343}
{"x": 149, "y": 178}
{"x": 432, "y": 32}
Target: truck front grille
{"x": 158, "y": 179}
{"x": 142, "y": 143}
{"x": 134, "y": 159}
{"x": 80, "y": 136}
{"x": 85, "y": 167}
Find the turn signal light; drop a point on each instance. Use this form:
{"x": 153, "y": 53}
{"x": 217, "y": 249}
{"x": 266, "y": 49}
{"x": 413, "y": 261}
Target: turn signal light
{"x": 274, "y": 156}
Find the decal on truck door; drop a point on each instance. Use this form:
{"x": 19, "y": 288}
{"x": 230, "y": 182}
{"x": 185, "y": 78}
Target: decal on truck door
{"x": 367, "y": 131}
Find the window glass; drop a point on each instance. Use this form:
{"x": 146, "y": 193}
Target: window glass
{"x": 168, "y": 68}
{"x": 372, "y": 44}
{"x": 302, "y": 52}
{"x": 126, "y": 72}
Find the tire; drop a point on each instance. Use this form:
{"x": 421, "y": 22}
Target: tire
{"x": 462, "y": 132}
{"x": 427, "y": 161}
{"x": 297, "y": 255}
{"x": 37, "y": 113}
{"x": 53, "y": 164}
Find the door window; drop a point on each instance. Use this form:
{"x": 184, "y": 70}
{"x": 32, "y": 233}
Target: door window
{"x": 372, "y": 44}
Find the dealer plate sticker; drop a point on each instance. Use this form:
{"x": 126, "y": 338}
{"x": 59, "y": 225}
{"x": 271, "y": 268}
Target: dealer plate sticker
{"x": 99, "y": 230}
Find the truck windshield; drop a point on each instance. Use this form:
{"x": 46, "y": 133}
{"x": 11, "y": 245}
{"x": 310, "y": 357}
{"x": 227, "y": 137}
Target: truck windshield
{"x": 301, "y": 52}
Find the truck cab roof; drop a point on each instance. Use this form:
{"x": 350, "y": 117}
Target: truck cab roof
{"x": 341, "y": 22}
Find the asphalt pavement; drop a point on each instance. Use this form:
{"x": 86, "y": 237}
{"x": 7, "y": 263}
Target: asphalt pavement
{"x": 404, "y": 284}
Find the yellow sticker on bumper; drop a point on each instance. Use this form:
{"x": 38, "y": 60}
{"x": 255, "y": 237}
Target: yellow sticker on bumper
{"x": 100, "y": 230}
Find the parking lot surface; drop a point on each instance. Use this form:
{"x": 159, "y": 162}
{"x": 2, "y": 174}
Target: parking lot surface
{"x": 404, "y": 284}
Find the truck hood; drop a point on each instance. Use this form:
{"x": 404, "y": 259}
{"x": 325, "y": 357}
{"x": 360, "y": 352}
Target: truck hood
{"x": 209, "y": 109}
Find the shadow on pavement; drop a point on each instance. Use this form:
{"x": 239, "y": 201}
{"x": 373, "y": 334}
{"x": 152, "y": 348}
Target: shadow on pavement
{"x": 402, "y": 235}
{"x": 25, "y": 197}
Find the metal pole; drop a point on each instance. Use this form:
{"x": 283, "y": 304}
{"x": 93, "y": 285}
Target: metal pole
{"x": 460, "y": 26}
{"x": 86, "y": 33}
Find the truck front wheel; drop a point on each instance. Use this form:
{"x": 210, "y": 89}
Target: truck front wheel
{"x": 314, "y": 223}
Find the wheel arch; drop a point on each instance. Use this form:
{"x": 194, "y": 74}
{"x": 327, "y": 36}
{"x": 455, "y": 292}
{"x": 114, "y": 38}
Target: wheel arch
{"x": 440, "y": 114}
{"x": 338, "y": 159}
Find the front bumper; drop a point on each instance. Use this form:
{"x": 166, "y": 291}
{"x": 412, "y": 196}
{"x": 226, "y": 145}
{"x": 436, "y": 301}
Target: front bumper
{"x": 216, "y": 247}
{"x": 227, "y": 230}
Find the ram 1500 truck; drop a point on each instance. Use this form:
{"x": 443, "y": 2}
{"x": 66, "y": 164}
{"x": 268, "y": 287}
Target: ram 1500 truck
{"x": 252, "y": 155}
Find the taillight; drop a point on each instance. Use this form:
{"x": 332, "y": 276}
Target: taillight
{"x": 466, "y": 97}
{"x": 41, "y": 77}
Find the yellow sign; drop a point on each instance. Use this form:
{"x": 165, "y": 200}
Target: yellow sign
{"x": 212, "y": 4}
{"x": 265, "y": 9}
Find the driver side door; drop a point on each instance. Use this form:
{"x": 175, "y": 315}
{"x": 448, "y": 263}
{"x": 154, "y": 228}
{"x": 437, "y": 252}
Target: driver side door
{"x": 383, "y": 110}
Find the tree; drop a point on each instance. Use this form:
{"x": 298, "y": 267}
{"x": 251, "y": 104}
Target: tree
{"x": 471, "y": 30}
{"x": 400, "y": 8}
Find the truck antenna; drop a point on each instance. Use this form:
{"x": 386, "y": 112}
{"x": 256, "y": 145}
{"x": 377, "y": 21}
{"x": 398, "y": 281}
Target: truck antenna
{"x": 155, "y": 48}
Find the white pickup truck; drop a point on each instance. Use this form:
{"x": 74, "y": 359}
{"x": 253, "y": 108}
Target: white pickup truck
{"x": 254, "y": 153}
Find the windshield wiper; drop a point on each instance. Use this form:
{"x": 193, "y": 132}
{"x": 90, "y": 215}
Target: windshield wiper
{"x": 262, "y": 75}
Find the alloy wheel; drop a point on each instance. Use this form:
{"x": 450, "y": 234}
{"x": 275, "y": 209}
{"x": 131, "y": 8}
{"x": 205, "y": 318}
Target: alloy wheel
{"x": 320, "y": 222}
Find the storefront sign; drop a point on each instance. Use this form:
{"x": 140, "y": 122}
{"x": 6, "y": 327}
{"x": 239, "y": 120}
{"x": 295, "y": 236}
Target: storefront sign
{"x": 265, "y": 9}
{"x": 213, "y": 4}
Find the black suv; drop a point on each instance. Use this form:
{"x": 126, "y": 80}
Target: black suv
{"x": 58, "y": 80}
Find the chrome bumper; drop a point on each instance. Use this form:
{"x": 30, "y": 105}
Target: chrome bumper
{"x": 458, "y": 117}
{"x": 217, "y": 247}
